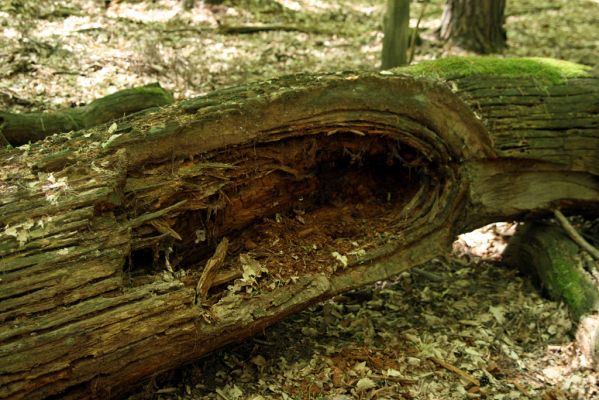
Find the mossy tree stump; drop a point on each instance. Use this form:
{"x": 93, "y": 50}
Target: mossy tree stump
{"x": 320, "y": 183}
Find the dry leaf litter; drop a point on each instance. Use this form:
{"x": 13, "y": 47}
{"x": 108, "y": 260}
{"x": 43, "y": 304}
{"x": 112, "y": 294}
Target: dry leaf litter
{"x": 456, "y": 328}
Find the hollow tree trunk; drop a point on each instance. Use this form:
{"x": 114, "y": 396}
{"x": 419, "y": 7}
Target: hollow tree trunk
{"x": 320, "y": 183}
{"x": 475, "y": 25}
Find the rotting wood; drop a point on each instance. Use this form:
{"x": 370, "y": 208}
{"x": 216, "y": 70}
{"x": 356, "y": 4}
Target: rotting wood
{"x": 381, "y": 169}
{"x": 210, "y": 271}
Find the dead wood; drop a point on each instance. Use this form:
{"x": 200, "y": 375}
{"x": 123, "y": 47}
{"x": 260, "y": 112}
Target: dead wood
{"x": 321, "y": 183}
{"x": 19, "y": 129}
{"x": 250, "y": 29}
{"x": 547, "y": 252}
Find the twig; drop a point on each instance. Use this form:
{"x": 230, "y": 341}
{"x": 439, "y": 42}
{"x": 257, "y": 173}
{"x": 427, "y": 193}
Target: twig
{"x": 186, "y": 29}
{"x": 574, "y": 235}
{"x": 263, "y": 342}
{"x": 239, "y": 29}
{"x": 428, "y": 275}
{"x": 248, "y": 29}
{"x": 163, "y": 227}
{"x": 414, "y": 33}
{"x": 223, "y": 277}
{"x": 455, "y": 370}
{"x": 403, "y": 381}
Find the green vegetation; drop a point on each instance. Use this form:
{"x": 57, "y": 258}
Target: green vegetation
{"x": 555, "y": 71}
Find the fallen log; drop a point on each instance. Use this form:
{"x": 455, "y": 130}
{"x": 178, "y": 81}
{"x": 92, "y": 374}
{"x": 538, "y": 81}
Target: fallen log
{"x": 19, "y": 129}
{"x": 318, "y": 183}
{"x": 546, "y": 252}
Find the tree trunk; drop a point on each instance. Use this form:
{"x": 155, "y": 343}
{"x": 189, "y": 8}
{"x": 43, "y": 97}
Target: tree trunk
{"x": 319, "y": 183}
{"x": 396, "y": 32}
{"x": 475, "y": 25}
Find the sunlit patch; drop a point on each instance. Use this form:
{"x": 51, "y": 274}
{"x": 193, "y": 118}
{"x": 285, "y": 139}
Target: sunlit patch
{"x": 486, "y": 243}
{"x": 587, "y": 340}
{"x": 146, "y": 12}
{"x": 308, "y": 5}
{"x": 290, "y": 4}
{"x": 10, "y": 33}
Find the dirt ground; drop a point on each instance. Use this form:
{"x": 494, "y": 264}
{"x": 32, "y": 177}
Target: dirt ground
{"x": 462, "y": 327}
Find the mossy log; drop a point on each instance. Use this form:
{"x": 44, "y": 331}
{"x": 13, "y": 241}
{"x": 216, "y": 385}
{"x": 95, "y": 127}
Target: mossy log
{"x": 319, "y": 183}
{"x": 19, "y": 129}
{"x": 548, "y": 253}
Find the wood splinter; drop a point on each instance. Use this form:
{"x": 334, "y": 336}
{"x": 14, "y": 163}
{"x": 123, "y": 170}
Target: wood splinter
{"x": 210, "y": 270}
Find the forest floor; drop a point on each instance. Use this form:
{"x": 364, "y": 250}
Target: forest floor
{"x": 462, "y": 327}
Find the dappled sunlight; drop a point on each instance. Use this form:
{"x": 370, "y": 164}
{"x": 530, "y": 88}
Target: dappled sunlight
{"x": 146, "y": 11}
{"x": 10, "y": 33}
{"x": 69, "y": 26}
{"x": 486, "y": 243}
{"x": 529, "y": 36}
{"x": 467, "y": 310}
{"x": 308, "y": 5}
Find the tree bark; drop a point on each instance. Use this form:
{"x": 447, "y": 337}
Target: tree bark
{"x": 475, "y": 25}
{"x": 319, "y": 183}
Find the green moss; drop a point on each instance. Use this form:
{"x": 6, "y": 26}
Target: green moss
{"x": 558, "y": 268}
{"x": 555, "y": 71}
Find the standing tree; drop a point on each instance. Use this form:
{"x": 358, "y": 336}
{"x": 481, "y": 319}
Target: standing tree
{"x": 396, "y": 29}
{"x": 475, "y": 25}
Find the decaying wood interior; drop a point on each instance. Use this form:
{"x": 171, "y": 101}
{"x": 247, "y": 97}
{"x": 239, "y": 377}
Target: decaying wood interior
{"x": 319, "y": 183}
{"x": 279, "y": 200}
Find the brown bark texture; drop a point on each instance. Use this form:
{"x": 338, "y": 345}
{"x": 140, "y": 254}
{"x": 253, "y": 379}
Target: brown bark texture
{"x": 475, "y": 25}
{"x": 109, "y": 271}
